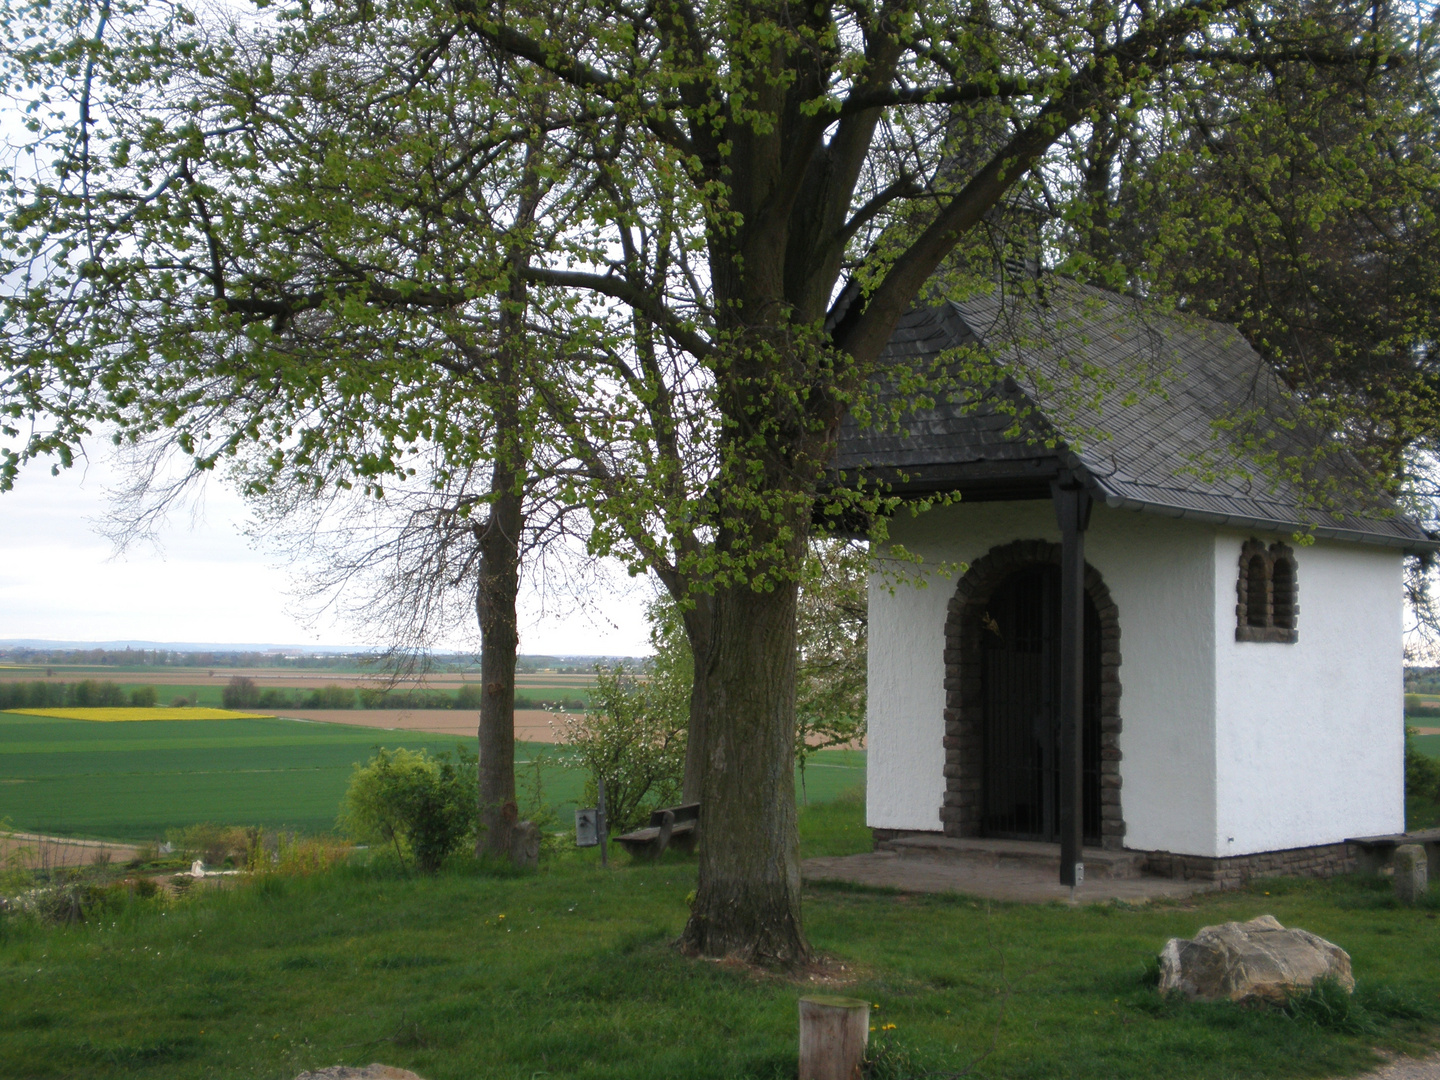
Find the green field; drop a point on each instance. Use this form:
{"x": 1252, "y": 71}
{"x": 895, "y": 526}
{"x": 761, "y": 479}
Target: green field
{"x": 211, "y": 694}
{"x": 134, "y": 781}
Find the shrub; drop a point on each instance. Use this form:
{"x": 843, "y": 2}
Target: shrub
{"x": 634, "y": 737}
{"x": 180, "y": 702}
{"x": 144, "y": 697}
{"x": 240, "y": 693}
{"x": 1413, "y": 702}
{"x": 469, "y": 696}
{"x": 217, "y": 845}
{"x": 331, "y": 697}
{"x": 1422, "y": 772}
{"x": 423, "y": 807}
{"x": 90, "y": 694}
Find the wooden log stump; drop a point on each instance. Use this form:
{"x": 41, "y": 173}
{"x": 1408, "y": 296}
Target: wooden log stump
{"x": 1411, "y": 873}
{"x": 833, "y": 1035}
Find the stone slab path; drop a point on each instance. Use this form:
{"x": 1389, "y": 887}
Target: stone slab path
{"x": 1027, "y": 884}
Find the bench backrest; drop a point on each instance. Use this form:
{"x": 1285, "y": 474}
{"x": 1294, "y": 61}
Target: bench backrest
{"x": 683, "y": 812}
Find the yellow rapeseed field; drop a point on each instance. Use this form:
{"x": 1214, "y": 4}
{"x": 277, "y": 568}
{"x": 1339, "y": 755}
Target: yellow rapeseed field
{"x": 156, "y": 713}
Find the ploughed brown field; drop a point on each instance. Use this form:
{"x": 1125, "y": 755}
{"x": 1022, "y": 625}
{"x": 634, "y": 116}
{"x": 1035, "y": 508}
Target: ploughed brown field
{"x": 33, "y": 851}
{"x": 531, "y": 725}
{"x": 280, "y": 678}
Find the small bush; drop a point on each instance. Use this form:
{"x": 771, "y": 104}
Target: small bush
{"x": 218, "y": 845}
{"x": 1422, "y": 772}
{"x": 635, "y": 739}
{"x": 422, "y": 807}
{"x": 92, "y": 694}
{"x": 240, "y": 693}
{"x": 180, "y": 702}
{"x": 469, "y": 697}
{"x": 144, "y": 697}
{"x": 75, "y": 901}
{"x": 1413, "y": 702}
{"x": 331, "y": 697}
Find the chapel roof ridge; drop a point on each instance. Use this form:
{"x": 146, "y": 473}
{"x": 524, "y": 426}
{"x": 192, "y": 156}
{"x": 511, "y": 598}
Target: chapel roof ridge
{"x": 1156, "y": 410}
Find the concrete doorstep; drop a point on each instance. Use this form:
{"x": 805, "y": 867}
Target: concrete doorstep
{"x": 997, "y": 870}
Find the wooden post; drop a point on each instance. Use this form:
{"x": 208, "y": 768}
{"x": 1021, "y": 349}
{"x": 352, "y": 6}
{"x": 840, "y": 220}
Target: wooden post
{"x": 833, "y": 1035}
{"x": 601, "y": 825}
{"x": 1072, "y": 509}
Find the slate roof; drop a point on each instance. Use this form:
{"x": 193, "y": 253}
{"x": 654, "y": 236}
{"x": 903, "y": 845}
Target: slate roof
{"x": 1159, "y": 413}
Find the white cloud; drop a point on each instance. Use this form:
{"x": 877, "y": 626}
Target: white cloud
{"x": 59, "y": 580}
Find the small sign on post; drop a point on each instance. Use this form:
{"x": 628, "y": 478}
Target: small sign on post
{"x": 590, "y": 825}
{"x": 587, "y": 827}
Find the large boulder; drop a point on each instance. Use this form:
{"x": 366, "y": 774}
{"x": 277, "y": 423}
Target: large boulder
{"x": 1258, "y": 960}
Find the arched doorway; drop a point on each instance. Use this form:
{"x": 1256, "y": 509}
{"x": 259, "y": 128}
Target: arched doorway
{"x": 1009, "y": 578}
{"x": 1020, "y": 691}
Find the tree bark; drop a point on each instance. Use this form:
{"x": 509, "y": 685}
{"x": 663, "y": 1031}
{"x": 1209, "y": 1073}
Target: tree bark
{"x": 495, "y": 596}
{"x": 748, "y": 900}
{"x": 499, "y": 539}
{"x": 698, "y": 631}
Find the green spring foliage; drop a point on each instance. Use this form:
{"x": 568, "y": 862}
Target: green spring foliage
{"x": 422, "y": 807}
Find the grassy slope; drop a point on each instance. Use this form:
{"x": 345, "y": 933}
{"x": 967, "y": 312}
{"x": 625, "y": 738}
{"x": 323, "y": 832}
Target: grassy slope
{"x": 578, "y": 979}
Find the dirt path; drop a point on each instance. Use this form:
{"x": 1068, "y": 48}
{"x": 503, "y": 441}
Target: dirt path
{"x": 34, "y": 851}
{"x": 1426, "y": 1068}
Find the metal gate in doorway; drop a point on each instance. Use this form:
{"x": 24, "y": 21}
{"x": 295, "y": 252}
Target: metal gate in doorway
{"x": 1020, "y": 674}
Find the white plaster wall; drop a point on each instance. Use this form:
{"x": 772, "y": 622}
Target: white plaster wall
{"x": 1310, "y": 735}
{"x": 1161, "y": 576}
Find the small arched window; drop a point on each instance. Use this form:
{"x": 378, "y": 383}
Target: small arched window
{"x": 1257, "y": 599}
{"x": 1267, "y": 591}
{"x": 1282, "y": 591}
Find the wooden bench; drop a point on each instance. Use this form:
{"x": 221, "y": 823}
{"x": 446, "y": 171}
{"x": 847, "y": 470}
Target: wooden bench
{"x": 1374, "y": 853}
{"x": 674, "y": 826}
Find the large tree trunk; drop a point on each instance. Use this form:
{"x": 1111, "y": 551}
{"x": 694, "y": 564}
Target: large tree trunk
{"x": 499, "y": 541}
{"x": 495, "y": 595}
{"x": 698, "y": 632}
{"x": 748, "y": 901}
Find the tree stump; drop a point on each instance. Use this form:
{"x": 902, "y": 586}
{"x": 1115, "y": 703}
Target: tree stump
{"x": 833, "y": 1034}
{"x": 1411, "y": 873}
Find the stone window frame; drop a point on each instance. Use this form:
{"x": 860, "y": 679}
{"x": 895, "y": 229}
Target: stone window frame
{"x": 964, "y": 704}
{"x": 1268, "y": 617}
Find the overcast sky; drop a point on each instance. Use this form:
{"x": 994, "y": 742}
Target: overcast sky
{"x": 60, "y": 580}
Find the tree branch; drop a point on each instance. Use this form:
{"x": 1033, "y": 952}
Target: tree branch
{"x": 641, "y": 300}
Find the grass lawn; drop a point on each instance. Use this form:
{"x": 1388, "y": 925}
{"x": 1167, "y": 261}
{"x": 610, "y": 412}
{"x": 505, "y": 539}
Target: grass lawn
{"x": 571, "y": 973}
{"x": 133, "y": 781}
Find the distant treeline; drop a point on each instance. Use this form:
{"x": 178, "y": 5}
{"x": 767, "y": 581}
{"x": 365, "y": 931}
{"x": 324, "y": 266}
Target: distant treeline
{"x": 183, "y": 658}
{"x": 86, "y": 694}
{"x": 1422, "y": 680}
{"x": 242, "y": 693}
{"x": 308, "y": 661}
